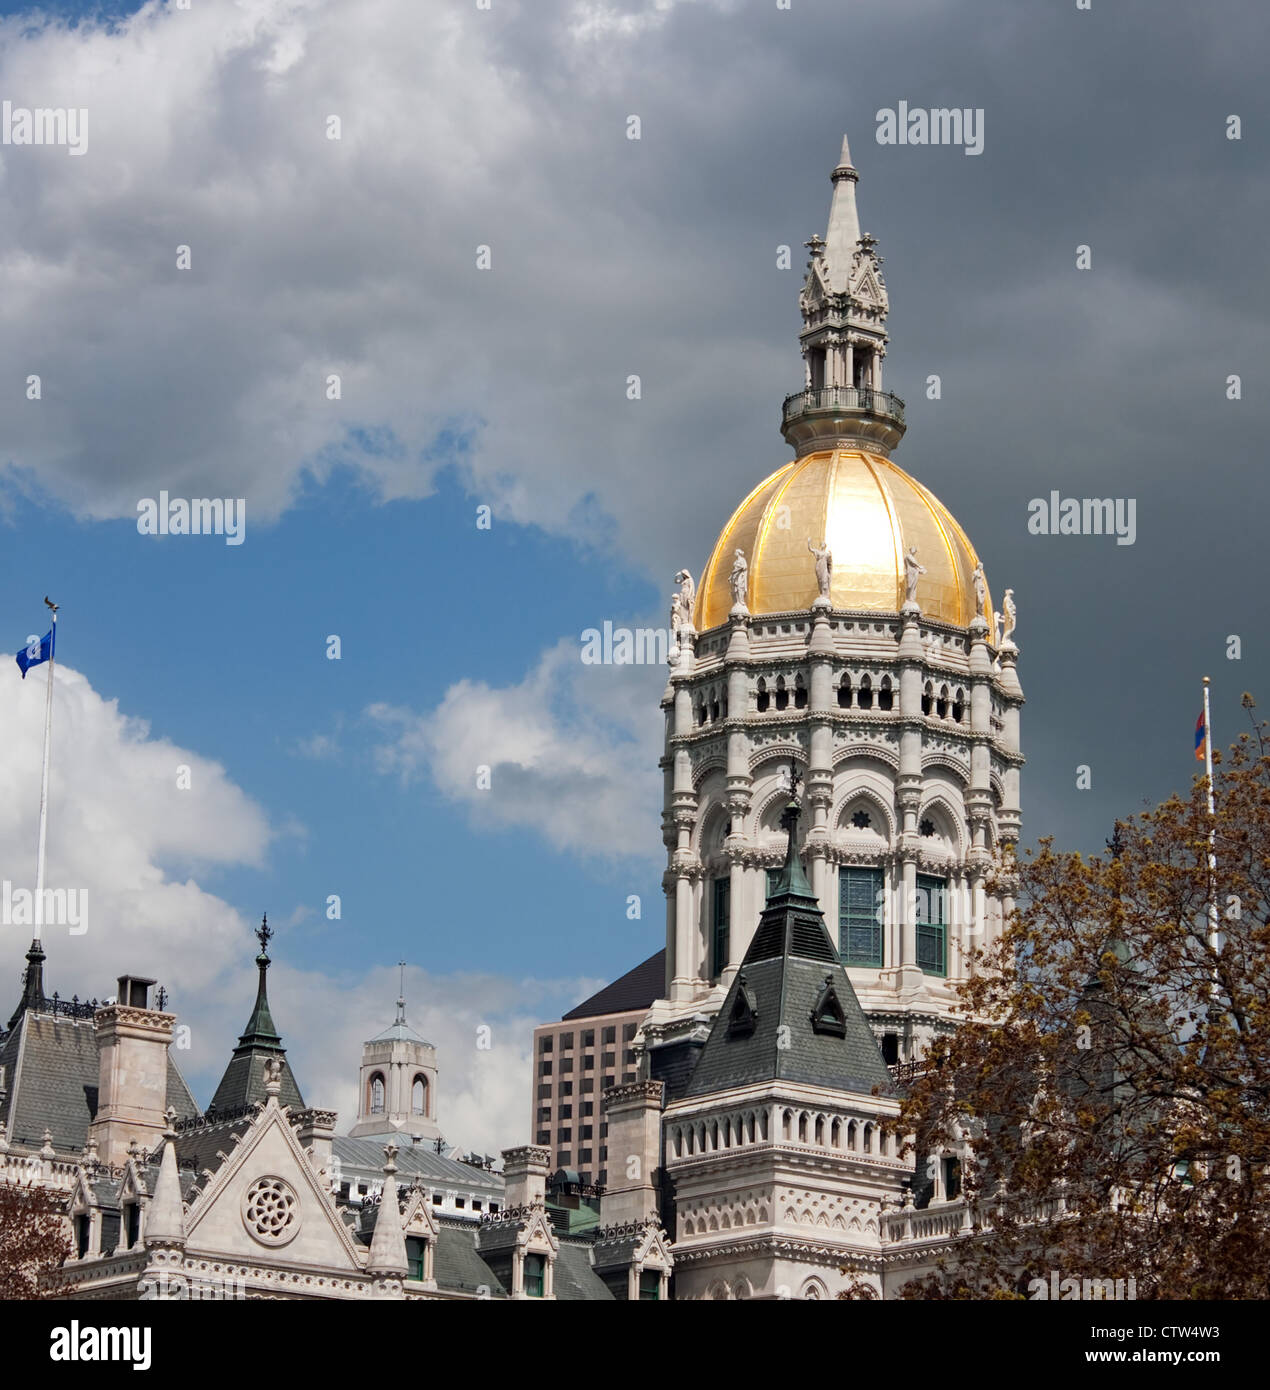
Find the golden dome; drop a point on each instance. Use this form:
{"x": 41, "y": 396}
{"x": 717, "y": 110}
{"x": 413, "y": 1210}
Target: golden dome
{"x": 869, "y": 512}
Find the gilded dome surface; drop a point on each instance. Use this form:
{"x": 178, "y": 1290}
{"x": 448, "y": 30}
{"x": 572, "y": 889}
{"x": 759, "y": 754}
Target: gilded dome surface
{"x": 869, "y": 512}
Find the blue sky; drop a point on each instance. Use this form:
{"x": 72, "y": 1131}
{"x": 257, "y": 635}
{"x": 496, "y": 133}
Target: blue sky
{"x": 508, "y": 127}
{"x": 223, "y": 649}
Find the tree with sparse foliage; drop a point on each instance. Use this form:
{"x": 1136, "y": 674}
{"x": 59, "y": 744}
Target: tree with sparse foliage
{"x": 34, "y": 1243}
{"x": 1108, "y": 1093}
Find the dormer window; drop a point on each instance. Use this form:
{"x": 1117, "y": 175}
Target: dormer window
{"x": 744, "y": 1015}
{"x": 827, "y": 1015}
{"x": 535, "y": 1275}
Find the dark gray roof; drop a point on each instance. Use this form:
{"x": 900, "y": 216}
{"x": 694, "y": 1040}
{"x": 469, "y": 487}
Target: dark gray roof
{"x": 457, "y": 1267}
{"x": 244, "y": 1080}
{"x": 52, "y": 1070}
{"x": 637, "y": 989}
{"x": 197, "y": 1146}
{"x": 414, "y": 1160}
{"x": 575, "y": 1278}
{"x": 52, "y": 1080}
{"x": 180, "y": 1097}
{"x": 790, "y": 971}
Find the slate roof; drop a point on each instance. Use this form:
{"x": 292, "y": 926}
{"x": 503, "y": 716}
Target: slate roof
{"x": 783, "y": 979}
{"x": 52, "y": 1073}
{"x": 414, "y": 1160}
{"x": 575, "y": 1277}
{"x": 52, "y": 1070}
{"x": 637, "y": 989}
{"x": 457, "y": 1267}
{"x": 244, "y": 1080}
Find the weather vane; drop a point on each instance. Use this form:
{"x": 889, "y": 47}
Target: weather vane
{"x": 263, "y": 934}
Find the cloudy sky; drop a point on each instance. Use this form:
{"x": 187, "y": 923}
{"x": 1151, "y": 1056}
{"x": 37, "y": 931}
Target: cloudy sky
{"x": 506, "y": 388}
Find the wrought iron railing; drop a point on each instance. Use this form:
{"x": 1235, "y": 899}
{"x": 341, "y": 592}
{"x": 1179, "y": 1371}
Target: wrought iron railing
{"x": 861, "y": 398}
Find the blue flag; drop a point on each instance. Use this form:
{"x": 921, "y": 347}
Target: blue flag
{"x": 36, "y": 652}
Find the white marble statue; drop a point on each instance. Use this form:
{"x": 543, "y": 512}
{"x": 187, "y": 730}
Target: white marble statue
{"x": 1011, "y": 618}
{"x": 824, "y": 566}
{"x": 687, "y": 592}
{"x": 739, "y": 579}
{"x": 676, "y": 613}
{"x": 996, "y": 630}
{"x": 912, "y": 573}
{"x": 980, "y": 581}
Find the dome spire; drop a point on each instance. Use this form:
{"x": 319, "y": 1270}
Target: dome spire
{"x": 843, "y": 238}
{"x": 844, "y": 306}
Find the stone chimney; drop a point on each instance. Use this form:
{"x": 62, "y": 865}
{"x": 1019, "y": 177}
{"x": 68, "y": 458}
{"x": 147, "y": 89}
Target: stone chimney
{"x": 525, "y": 1176}
{"x": 633, "y": 1112}
{"x": 132, "y": 1048}
{"x": 315, "y": 1129}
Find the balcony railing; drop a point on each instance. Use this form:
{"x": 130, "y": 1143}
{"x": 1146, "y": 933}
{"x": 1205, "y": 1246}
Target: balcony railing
{"x": 854, "y": 398}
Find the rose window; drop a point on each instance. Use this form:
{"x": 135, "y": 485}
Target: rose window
{"x": 271, "y": 1211}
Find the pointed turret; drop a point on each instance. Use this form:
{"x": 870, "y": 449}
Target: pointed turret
{"x": 843, "y": 238}
{"x": 32, "y": 981}
{"x": 165, "y": 1218}
{"x": 388, "y": 1244}
{"x": 244, "y": 1082}
{"x": 791, "y": 1013}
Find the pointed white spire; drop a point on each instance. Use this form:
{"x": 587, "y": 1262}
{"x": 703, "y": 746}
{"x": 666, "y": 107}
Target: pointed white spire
{"x": 388, "y": 1244}
{"x": 165, "y": 1219}
{"x": 844, "y": 222}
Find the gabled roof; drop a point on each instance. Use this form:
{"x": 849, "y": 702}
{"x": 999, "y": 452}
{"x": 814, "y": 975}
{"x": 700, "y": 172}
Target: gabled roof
{"x": 637, "y": 989}
{"x": 791, "y": 1013}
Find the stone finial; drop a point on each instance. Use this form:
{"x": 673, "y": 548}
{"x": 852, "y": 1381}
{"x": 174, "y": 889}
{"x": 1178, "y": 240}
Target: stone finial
{"x": 48, "y": 1151}
{"x": 388, "y": 1243}
{"x": 165, "y": 1217}
{"x": 91, "y": 1157}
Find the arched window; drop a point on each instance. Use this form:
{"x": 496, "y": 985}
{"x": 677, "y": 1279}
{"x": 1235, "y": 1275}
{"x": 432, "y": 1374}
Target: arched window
{"x": 419, "y": 1096}
{"x": 959, "y": 704}
{"x": 941, "y": 705}
{"x": 866, "y": 693}
{"x": 928, "y": 698}
{"x": 802, "y": 1127}
{"x": 782, "y": 695}
{"x": 800, "y": 693}
{"x": 844, "y": 693}
{"x": 764, "y": 700}
{"x": 886, "y": 696}
{"x": 377, "y": 1094}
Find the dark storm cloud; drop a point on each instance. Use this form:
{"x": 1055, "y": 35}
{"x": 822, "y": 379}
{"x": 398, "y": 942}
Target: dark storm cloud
{"x": 658, "y": 257}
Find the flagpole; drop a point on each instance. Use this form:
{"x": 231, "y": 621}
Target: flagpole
{"x": 1212, "y": 828}
{"x": 44, "y": 781}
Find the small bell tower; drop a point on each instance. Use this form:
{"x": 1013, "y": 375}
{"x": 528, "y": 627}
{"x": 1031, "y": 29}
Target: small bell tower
{"x": 397, "y": 1090}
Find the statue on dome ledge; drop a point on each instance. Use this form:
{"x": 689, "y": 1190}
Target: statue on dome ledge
{"x": 740, "y": 581}
{"x": 824, "y": 569}
{"x": 912, "y": 573}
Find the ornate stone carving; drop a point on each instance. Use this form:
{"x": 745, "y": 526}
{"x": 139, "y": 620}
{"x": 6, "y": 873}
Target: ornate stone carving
{"x": 271, "y": 1211}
